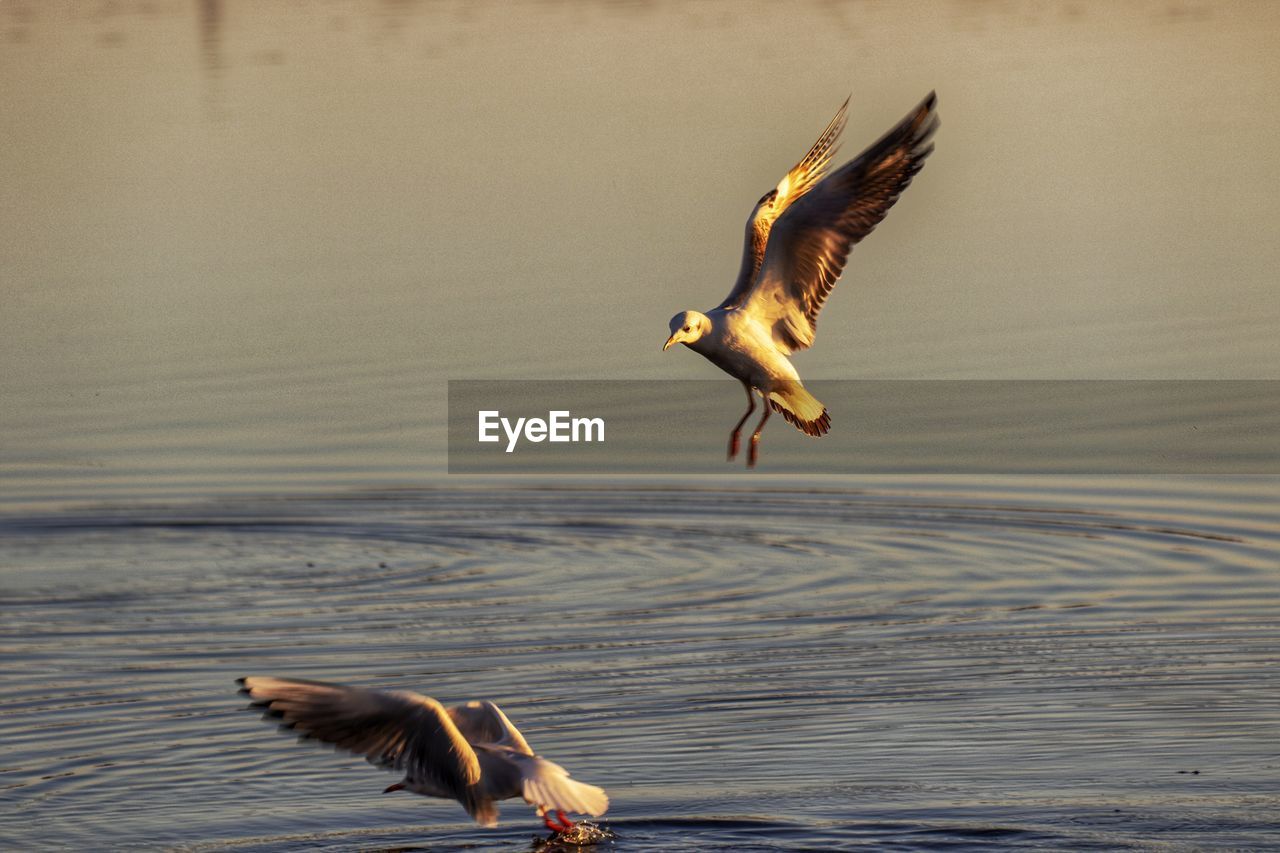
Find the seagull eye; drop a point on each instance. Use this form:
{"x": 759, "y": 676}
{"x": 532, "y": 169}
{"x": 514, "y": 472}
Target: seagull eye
{"x": 686, "y": 328}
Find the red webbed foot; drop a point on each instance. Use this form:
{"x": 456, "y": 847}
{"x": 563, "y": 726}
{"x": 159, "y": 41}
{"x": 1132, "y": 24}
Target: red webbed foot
{"x": 563, "y": 825}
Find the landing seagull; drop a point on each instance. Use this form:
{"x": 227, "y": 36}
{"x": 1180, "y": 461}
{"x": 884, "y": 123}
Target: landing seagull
{"x": 798, "y": 237}
{"x": 470, "y": 753}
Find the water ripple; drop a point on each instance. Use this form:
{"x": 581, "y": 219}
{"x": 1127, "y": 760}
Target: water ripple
{"x": 925, "y": 668}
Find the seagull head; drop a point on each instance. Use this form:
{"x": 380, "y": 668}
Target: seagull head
{"x": 687, "y": 327}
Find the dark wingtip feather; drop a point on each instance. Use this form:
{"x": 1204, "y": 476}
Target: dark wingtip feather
{"x": 813, "y": 429}
{"x": 927, "y": 107}
{"x": 924, "y": 122}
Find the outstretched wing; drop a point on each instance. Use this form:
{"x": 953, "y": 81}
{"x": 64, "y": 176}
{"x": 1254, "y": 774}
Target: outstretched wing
{"x": 397, "y": 731}
{"x": 484, "y": 723}
{"x": 810, "y": 242}
{"x": 793, "y": 185}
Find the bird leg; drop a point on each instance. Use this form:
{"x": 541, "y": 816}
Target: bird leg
{"x": 564, "y": 824}
{"x": 755, "y": 436}
{"x": 733, "y": 436}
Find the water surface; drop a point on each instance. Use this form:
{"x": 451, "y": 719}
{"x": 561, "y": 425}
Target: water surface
{"x": 245, "y": 244}
{"x": 967, "y": 666}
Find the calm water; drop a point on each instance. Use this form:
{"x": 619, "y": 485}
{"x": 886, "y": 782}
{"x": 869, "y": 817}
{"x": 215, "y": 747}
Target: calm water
{"x": 244, "y": 245}
{"x": 910, "y": 665}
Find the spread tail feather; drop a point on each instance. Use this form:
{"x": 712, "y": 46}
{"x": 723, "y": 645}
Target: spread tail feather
{"x": 801, "y": 409}
{"x": 546, "y": 784}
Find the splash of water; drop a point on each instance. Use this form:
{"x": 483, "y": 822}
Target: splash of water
{"x": 584, "y": 833}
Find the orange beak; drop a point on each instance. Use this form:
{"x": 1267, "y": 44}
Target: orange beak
{"x": 671, "y": 340}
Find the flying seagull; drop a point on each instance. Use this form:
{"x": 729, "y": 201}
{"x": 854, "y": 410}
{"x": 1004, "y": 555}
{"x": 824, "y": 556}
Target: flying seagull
{"x": 470, "y": 753}
{"x": 798, "y": 237}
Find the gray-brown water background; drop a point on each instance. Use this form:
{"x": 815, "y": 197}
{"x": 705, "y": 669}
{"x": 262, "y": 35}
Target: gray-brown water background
{"x": 244, "y": 245}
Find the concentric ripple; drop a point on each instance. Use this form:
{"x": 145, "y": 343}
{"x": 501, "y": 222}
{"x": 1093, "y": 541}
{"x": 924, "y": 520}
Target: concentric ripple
{"x": 973, "y": 665}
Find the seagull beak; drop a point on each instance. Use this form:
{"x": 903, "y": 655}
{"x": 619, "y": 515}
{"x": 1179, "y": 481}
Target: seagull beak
{"x": 399, "y": 786}
{"x": 670, "y": 341}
